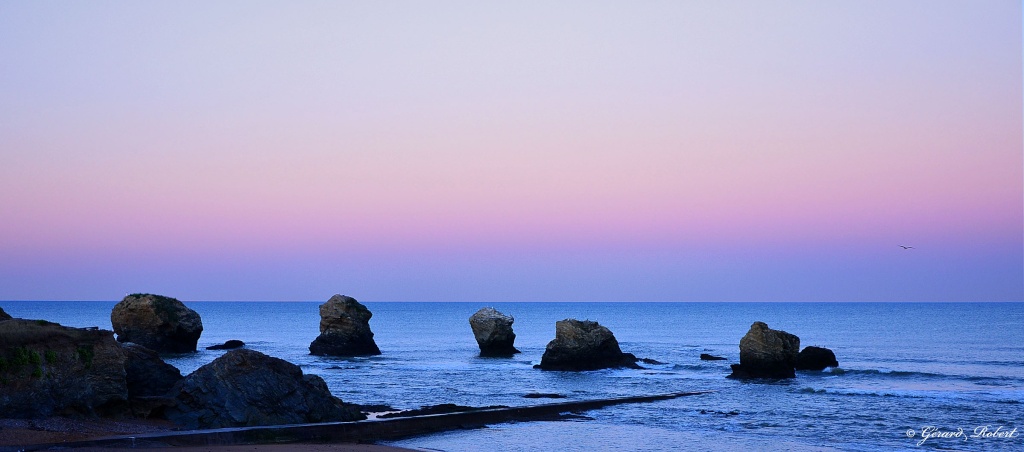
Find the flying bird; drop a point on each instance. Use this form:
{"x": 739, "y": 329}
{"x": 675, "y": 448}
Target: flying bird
{"x": 906, "y": 247}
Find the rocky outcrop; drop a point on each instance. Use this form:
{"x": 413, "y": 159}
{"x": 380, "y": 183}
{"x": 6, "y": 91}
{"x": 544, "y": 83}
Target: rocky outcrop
{"x": 707, "y": 357}
{"x": 146, "y": 374}
{"x": 156, "y": 322}
{"x": 766, "y": 353}
{"x": 493, "y": 332}
{"x": 815, "y": 358}
{"x": 584, "y": 345}
{"x": 4, "y": 315}
{"x": 247, "y": 388}
{"x": 344, "y": 329}
{"x": 228, "y": 345}
{"x": 47, "y": 369}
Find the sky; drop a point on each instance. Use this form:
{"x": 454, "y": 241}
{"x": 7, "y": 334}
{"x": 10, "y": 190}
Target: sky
{"x": 512, "y": 151}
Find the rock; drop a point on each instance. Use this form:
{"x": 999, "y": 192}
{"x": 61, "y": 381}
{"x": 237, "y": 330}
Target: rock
{"x": 247, "y": 388}
{"x": 651, "y": 361}
{"x": 766, "y": 353}
{"x": 344, "y": 329}
{"x": 48, "y": 370}
{"x": 229, "y": 345}
{"x": 156, "y": 322}
{"x": 707, "y": 357}
{"x": 493, "y": 332}
{"x": 146, "y": 374}
{"x": 4, "y": 315}
{"x": 815, "y": 358}
{"x": 584, "y": 345}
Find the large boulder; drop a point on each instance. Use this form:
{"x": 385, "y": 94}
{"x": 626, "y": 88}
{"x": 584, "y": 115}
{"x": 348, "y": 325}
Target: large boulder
{"x": 344, "y": 329}
{"x": 815, "y": 358}
{"x": 584, "y": 345}
{"x": 247, "y": 388}
{"x": 766, "y": 353}
{"x": 156, "y": 322}
{"x": 47, "y": 369}
{"x": 146, "y": 374}
{"x": 493, "y": 332}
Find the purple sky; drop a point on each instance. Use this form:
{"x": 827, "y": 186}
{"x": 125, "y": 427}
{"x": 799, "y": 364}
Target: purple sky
{"x": 528, "y": 151}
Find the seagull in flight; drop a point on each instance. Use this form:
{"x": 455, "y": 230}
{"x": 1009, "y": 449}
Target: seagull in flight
{"x": 906, "y": 247}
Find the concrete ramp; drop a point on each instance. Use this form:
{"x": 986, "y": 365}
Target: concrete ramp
{"x": 358, "y": 431}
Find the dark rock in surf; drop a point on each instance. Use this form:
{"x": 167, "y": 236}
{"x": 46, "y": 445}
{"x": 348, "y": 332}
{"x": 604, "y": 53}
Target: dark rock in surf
{"x": 493, "y": 332}
{"x": 247, "y": 388}
{"x": 815, "y": 358}
{"x": 229, "y": 345}
{"x": 344, "y": 329}
{"x": 156, "y": 322}
{"x": 584, "y": 345}
{"x": 766, "y": 353}
{"x": 707, "y": 357}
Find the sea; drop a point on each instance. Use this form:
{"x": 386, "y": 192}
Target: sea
{"x": 911, "y": 376}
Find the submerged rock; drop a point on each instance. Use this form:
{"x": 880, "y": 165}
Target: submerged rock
{"x": 344, "y": 329}
{"x": 156, "y": 322}
{"x": 584, "y": 345}
{"x": 47, "y": 369}
{"x": 707, "y": 357}
{"x": 247, "y": 388}
{"x": 228, "y": 345}
{"x": 493, "y": 332}
{"x": 766, "y": 353}
{"x": 815, "y": 358}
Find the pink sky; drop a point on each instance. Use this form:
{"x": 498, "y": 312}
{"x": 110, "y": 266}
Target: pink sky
{"x": 530, "y": 151}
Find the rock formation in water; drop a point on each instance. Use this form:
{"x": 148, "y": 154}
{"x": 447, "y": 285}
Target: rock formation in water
{"x": 766, "y": 353}
{"x": 156, "y": 322}
{"x": 815, "y": 358}
{"x": 344, "y": 329}
{"x": 584, "y": 345}
{"x": 47, "y": 369}
{"x": 493, "y": 332}
{"x": 228, "y": 345}
{"x": 247, "y": 388}
{"x": 4, "y": 315}
{"x": 707, "y": 357}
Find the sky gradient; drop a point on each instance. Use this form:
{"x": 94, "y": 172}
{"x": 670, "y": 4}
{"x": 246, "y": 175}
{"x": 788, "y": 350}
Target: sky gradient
{"x": 530, "y": 151}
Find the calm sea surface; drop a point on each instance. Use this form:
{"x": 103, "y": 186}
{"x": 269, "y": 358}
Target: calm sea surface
{"x": 903, "y": 367}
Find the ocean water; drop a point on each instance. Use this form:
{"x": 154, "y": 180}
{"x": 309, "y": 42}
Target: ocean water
{"x": 904, "y": 368}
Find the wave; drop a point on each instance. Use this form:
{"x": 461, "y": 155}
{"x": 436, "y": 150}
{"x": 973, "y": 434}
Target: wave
{"x": 911, "y": 375}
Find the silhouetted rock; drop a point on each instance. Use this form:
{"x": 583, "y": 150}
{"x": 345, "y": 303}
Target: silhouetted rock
{"x": 707, "y": 357}
{"x": 229, "y": 345}
{"x": 584, "y": 345}
{"x": 146, "y": 374}
{"x": 344, "y": 329}
{"x": 156, "y": 322}
{"x": 650, "y": 361}
{"x": 4, "y": 315}
{"x": 47, "y": 369}
{"x": 766, "y": 353}
{"x": 247, "y": 388}
{"x": 493, "y": 332}
{"x": 816, "y": 358}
